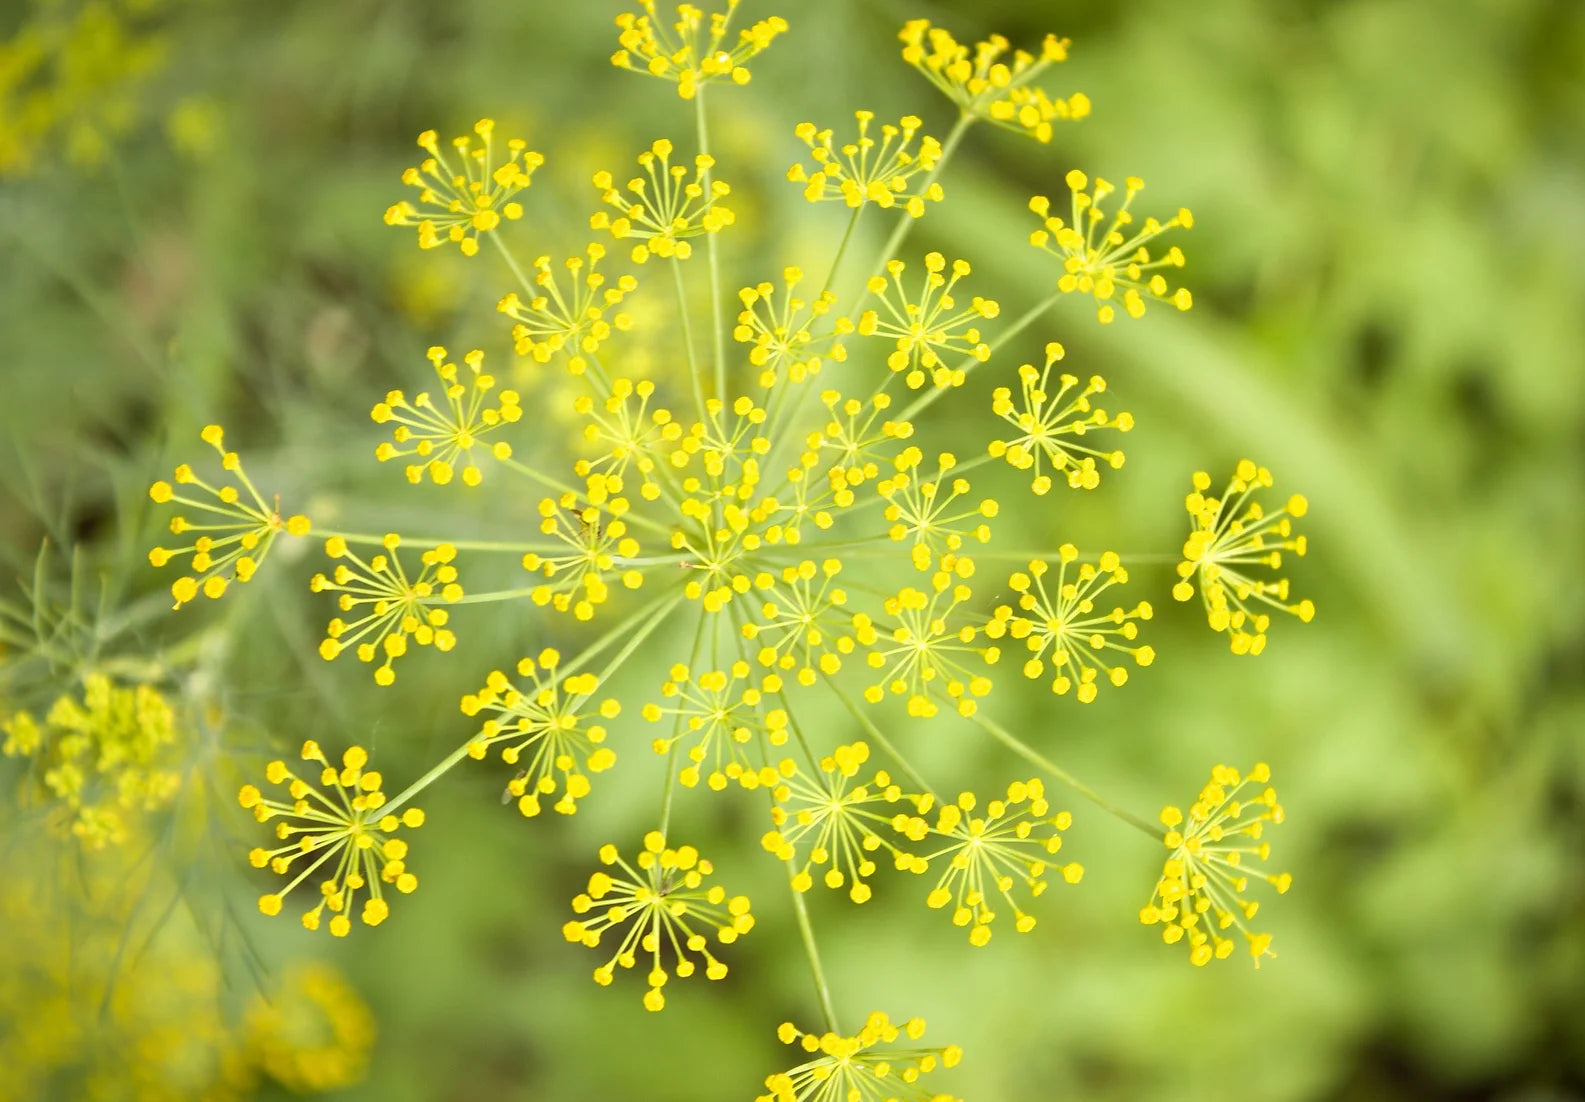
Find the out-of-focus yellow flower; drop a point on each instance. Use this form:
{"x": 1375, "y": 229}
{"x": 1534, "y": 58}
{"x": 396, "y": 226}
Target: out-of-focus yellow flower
{"x": 688, "y": 53}
{"x": 662, "y": 909}
{"x": 1214, "y": 853}
{"x": 232, "y": 536}
{"x": 1233, "y": 536}
{"x": 313, "y": 1033}
{"x": 1050, "y": 429}
{"x": 986, "y": 87}
{"x": 1112, "y": 263}
{"x": 101, "y": 759}
{"x": 338, "y": 828}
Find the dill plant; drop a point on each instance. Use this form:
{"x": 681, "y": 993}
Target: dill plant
{"x": 782, "y": 501}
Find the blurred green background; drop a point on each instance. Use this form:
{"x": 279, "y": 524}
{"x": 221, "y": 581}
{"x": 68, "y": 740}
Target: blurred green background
{"x": 1389, "y": 287}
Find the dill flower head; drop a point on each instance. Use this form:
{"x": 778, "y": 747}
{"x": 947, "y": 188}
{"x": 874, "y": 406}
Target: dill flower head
{"x": 339, "y": 826}
{"x": 312, "y": 1034}
{"x": 571, "y": 317}
{"x": 986, "y": 855}
{"x": 1062, "y": 629}
{"x": 591, "y": 544}
{"x": 933, "y": 514}
{"x": 984, "y": 86}
{"x": 1234, "y": 537}
{"x": 927, "y": 328}
{"x": 1111, "y": 263}
{"x": 781, "y": 329}
{"x": 442, "y": 438}
{"x": 101, "y": 758}
{"x": 1215, "y": 852}
{"x": 869, "y": 171}
{"x": 663, "y": 208}
{"x": 390, "y": 607}
{"x": 1049, "y": 428}
{"x": 460, "y": 202}
{"x": 920, "y": 656}
{"x": 231, "y": 535}
{"x": 689, "y": 52}
{"x": 723, "y": 714}
{"x": 661, "y": 908}
{"x": 860, "y": 1068}
{"x": 547, "y": 722}
{"x": 801, "y": 627}
{"x": 832, "y": 823}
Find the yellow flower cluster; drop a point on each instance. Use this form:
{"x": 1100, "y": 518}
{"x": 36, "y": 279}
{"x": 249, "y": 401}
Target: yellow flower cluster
{"x": 720, "y": 712}
{"x": 391, "y": 608}
{"x": 691, "y": 53}
{"x": 785, "y": 345}
{"x": 1214, "y": 853}
{"x": 546, "y": 721}
{"x": 1234, "y": 536}
{"x": 100, "y": 759}
{"x": 573, "y": 317}
{"x": 660, "y": 907}
{"x": 1049, "y": 428}
{"x": 444, "y": 438}
{"x": 834, "y": 824}
{"x": 858, "y": 172}
{"x": 803, "y": 538}
{"x": 342, "y": 828}
{"x": 860, "y": 1068}
{"x": 1063, "y": 630}
{"x": 989, "y": 855}
{"x": 233, "y": 535}
{"x": 462, "y": 202}
{"x": 1111, "y": 263}
{"x": 927, "y": 328}
{"x": 666, "y": 208}
{"x": 986, "y": 87}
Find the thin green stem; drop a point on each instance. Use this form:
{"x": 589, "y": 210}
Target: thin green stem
{"x": 807, "y": 934}
{"x": 430, "y": 541}
{"x": 427, "y": 779}
{"x": 511, "y": 262}
{"x": 879, "y": 737}
{"x": 1034, "y": 757}
{"x": 930, "y": 397}
{"x": 687, "y": 337}
{"x": 671, "y": 751}
{"x": 715, "y": 264}
{"x": 842, "y": 248}
{"x": 637, "y": 639}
